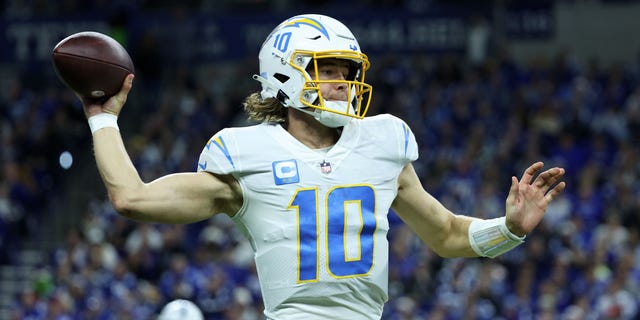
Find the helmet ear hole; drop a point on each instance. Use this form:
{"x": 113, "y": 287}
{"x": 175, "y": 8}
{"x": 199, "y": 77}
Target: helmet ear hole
{"x": 281, "y": 77}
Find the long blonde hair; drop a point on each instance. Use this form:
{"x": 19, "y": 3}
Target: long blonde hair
{"x": 264, "y": 110}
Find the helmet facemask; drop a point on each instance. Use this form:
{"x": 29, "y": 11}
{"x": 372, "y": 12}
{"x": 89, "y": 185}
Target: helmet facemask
{"x": 358, "y": 93}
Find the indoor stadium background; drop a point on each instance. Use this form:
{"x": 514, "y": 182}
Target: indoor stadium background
{"x": 487, "y": 86}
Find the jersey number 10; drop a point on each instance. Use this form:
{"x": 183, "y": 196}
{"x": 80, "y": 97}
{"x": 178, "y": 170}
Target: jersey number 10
{"x": 339, "y": 224}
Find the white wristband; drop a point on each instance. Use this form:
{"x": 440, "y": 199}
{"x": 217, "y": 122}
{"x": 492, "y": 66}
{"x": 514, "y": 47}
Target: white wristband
{"x": 103, "y": 120}
{"x": 491, "y": 238}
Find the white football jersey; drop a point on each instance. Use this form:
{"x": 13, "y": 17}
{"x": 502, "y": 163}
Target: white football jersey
{"x": 317, "y": 220}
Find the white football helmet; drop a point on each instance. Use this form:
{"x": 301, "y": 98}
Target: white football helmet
{"x": 298, "y": 44}
{"x": 181, "y": 309}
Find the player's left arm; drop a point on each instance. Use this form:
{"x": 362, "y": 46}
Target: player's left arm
{"x": 448, "y": 234}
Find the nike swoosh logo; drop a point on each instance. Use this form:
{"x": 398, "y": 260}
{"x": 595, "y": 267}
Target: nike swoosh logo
{"x": 202, "y": 165}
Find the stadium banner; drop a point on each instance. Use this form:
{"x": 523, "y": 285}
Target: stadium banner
{"x": 200, "y": 37}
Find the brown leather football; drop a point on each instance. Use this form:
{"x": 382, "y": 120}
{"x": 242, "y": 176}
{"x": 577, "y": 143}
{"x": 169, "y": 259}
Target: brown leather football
{"x": 92, "y": 64}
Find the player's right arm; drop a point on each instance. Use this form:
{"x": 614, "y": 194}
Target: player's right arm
{"x": 175, "y": 198}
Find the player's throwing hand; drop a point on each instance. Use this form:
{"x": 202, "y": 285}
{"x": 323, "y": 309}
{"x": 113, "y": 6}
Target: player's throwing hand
{"x": 113, "y": 105}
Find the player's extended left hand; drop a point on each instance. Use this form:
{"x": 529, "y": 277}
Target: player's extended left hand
{"x": 528, "y": 198}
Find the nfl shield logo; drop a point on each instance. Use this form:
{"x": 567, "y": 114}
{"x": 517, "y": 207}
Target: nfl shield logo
{"x": 325, "y": 167}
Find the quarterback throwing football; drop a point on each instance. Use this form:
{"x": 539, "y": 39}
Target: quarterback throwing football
{"x": 312, "y": 183}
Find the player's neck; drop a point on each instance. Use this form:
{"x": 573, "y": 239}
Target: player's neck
{"x": 309, "y": 131}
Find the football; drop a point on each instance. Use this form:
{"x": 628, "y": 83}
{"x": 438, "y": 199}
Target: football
{"x": 92, "y": 64}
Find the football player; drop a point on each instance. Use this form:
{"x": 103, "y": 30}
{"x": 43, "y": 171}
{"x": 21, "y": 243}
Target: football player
{"x": 311, "y": 184}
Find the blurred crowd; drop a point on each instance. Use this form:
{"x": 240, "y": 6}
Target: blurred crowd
{"x": 477, "y": 125}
